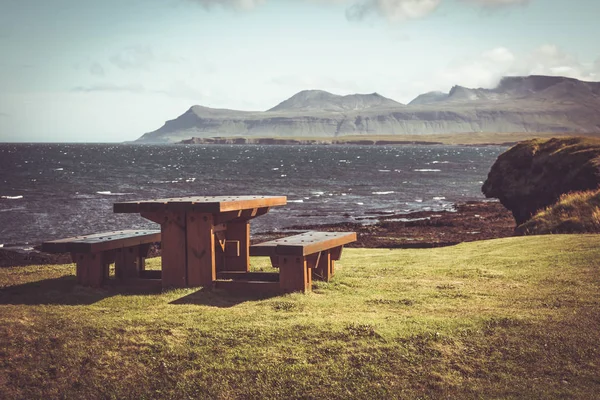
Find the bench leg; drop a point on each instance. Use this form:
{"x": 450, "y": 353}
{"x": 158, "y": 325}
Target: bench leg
{"x": 144, "y": 251}
{"x": 324, "y": 268}
{"x": 294, "y": 276}
{"x": 128, "y": 263}
{"x": 92, "y": 268}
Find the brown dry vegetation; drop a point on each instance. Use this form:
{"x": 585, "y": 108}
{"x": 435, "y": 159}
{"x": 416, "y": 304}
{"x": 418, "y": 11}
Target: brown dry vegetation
{"x": 577, "y": 212}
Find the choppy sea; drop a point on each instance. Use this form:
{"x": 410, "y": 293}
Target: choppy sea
{"x": 50, "y": 191}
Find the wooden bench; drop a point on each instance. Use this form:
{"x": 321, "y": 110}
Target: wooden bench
{"x": 94, "y": 253}
{"x": 300, "y": 257}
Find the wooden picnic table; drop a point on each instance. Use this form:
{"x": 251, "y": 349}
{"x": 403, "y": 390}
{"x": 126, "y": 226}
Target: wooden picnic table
{"x": 202, "y": 234}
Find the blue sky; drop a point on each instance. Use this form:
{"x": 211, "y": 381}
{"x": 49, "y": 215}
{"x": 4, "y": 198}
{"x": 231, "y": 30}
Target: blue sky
{"x": 104, "y": 71}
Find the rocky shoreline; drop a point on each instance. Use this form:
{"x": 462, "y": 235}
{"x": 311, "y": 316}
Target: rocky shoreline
{"x": 275, "y": 141}
{"x": 468, "y": 222}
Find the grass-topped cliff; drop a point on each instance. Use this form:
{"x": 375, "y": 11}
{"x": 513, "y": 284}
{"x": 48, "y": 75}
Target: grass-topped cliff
{"x": 534, "y": 174}
{"x": 507, "y": 318}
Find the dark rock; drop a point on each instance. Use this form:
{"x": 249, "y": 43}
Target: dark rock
{"x": 533, "y": 174}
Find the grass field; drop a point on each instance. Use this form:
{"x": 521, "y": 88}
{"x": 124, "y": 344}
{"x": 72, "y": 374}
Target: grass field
{"x": 506, "y": 318}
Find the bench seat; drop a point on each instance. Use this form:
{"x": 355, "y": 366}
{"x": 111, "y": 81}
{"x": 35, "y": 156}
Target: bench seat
{"x": 300, "y": 257}
{"x": 94, "y": 253}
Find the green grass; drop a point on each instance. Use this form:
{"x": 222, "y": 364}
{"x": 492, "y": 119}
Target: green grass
{"x": 507, "y": 318}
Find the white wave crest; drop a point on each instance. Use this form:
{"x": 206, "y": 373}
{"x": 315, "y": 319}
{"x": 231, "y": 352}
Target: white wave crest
{"x": 11, "y": 197}
{"x": 388, "y": 192}
{"x": 428, "y": 170}
{"x": 296, "y": 201}
{"x": 109, "y": 193}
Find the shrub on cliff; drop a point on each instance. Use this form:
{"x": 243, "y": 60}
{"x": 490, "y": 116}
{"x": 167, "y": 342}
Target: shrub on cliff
{"x": 577, "y": 212}
{"x": 534, "y": 174}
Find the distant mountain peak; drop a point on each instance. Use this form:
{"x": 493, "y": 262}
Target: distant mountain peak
{"x": 429, "y": 98}
{"x": 320, "y": 100}
{"x": 517, "y": 104}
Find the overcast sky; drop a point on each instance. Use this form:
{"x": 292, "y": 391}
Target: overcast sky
{"x": 111, "y": 70}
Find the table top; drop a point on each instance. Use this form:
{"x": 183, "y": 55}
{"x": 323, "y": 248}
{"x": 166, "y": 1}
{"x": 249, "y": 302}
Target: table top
{"x": 207, "y": 204}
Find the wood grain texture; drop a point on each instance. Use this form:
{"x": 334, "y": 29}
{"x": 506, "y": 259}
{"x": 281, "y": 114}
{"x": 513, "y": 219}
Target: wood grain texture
{"x": 128, "y": 263}
{"x": 201, "y": 268}
{"x": 239, "y": 231}
{"x": 173, "y": 252}
{"x": 323, "y": 271}
{"x": 232, "y": 248}
{"x": 303, "y": 244}
{"x": 91, "y": 270}
{"x": 294, "y": 276}
{"x": 98, "y": 242}
{"x": 202, "y": 204}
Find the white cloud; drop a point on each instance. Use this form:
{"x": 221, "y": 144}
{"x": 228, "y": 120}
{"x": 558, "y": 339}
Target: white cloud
{"x": 497, "y": 3}
{"x": 133, "y": 57}
{"x": 358, "y": 10}
{"x": 177, "y": 89}
{"x": 486, "y": 69}
{"x": 392, "y": 10}
{"x": 499, "y": 55}
{"x": 110, "y": 87}
{"x": 235, "y": 4}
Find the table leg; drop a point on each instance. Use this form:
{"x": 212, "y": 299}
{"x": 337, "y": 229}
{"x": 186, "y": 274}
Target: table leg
{"x": 201, "y": 266}
{"x": 239, "y": 231}
{"x": 173, "y": 250}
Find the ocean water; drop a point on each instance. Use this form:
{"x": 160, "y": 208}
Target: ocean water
{"x": 50, "y": 191}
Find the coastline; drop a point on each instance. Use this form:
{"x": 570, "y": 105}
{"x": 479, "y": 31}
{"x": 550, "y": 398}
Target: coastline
{"x": 459, "y": 139}
{"x": 469, "y": 221}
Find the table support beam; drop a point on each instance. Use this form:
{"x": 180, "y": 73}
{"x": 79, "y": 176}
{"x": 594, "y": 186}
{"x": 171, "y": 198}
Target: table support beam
{"x": 239, "y": 231}
{"x": 201, "y": 269}
{"x": 173, "y": 253}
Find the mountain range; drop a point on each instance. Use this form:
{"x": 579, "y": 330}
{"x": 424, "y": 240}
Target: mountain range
{"x": 518, "y": 104}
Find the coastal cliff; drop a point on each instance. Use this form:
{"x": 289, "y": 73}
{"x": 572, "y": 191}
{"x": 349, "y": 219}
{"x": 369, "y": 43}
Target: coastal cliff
{"x": 534, "y": 174}
{"x": 517, "y": 104}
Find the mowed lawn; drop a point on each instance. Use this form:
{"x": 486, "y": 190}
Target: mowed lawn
{"x": 507, "y": 318}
